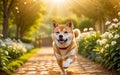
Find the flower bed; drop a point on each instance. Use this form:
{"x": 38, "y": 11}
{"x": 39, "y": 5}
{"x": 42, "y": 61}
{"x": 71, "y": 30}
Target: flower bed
{"x": 104, "y": 48}
{"x": 10, "y": 51}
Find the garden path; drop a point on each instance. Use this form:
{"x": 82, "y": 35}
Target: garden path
{"x": 44, "y": 63}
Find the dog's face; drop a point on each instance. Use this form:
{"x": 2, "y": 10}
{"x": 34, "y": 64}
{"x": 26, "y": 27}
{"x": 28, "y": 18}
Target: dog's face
{"x": 62, "y": 34}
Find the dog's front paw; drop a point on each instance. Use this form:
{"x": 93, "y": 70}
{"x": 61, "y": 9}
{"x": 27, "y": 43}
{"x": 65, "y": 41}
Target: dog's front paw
{"x": 67, "y": 63}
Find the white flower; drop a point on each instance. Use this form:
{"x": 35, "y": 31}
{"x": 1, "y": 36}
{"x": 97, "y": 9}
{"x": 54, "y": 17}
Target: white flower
{"x": 118, "y": 23}
{"x": 1, "y": 41}
{"x": 103, "y": 35}
{"x": 24, "y": 50}
{"x": 115, "y": 20}
{"x": 9, "y": 46}
{"x": 118, "y": 13}
{"x": 107, "y": 22}
{"x": 91, "y": 29}
{"x": 103, "y": 41}
{"x": 98, "y": 41}
{"x": 3, "y": 44}
{"x": 85, "y": 29}
{"x": 110, "y": 27}
{"x": 107, "y": 45}
{"x": 113, "y": 43}
{"x": 6, "y": 52}
{"x": 113, "y": 24}
{"x": 1, "y": 35}
{"x": 110, "y": 36}
{"x": 101, "y": 51}
{"x": 116, "y": 36}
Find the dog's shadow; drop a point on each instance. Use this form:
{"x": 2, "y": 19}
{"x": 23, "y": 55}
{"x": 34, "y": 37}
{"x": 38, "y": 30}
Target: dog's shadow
{"x": 68, "y": 72}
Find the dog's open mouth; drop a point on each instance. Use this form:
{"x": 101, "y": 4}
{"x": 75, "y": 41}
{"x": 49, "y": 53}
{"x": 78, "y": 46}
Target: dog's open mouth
{"x": 62, "y": 41}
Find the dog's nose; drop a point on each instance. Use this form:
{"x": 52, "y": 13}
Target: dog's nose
{"x": 60, "y": 36}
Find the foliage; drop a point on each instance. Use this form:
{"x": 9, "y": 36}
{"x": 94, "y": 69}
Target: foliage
{"x": 84, "y": 22}
{"x": 106, "y": 46}
{"x": 10, "y": 50}
{"x": 13, "y": 54}
{"x": 25, "y": 16}
{"x": 14, "y": 64}
{"x": 87, "y": 43}
{"x": 97, "y": 10}
{"x": 109, "y": 46}
{"x": 27, "y": 23}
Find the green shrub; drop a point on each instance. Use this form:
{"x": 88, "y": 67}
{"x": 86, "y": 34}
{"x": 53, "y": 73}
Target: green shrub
{"x": 104, "y": 48}
{"x": 10, "y": 50}
{"x": 109, "y": 47}
{"x": 84, "y": 22}
{"x": 12, "y": 65}
{"x": 3, "y": 58}
{"x": 87, "y": 44}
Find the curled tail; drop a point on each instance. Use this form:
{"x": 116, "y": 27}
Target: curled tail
{"x": 77, "y": 33}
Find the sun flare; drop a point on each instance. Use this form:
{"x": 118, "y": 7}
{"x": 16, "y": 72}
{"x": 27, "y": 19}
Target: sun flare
{"x": 58, "y": 1}
{"x": 58, "y": 8}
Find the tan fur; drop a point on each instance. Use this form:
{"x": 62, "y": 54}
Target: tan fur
{"x": 76, "y": 33}
{"x": 65, "y": 58}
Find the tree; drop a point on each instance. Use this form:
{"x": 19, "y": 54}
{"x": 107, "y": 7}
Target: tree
{"x": 98, "y": 10}
{"x": 27, "y": 16}
{"x": 7, "y": 8}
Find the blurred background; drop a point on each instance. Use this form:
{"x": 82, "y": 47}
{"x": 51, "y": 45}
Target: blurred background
{"x": 26, "y": 25}
{"x": 30, "y": 20}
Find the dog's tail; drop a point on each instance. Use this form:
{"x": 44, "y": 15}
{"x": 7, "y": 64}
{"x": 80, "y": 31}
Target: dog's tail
{"x": 77, "y": 33}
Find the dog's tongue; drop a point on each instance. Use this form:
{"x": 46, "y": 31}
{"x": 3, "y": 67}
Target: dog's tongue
{"x": 61, "y": 41}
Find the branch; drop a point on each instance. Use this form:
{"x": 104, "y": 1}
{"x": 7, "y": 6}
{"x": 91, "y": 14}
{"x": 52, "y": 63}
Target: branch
{"x": 4, "y": 5}
{"x": 10, "y": 7}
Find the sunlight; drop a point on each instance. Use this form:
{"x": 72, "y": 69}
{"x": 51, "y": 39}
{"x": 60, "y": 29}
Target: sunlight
{"x": 57, "y": 7}
{"x": 58, "y": 1}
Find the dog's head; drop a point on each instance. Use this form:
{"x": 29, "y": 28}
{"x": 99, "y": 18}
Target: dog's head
{"x": 62, "y": 34}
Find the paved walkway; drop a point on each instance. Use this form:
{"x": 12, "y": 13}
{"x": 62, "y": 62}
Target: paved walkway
{"x": 44, "y": 63}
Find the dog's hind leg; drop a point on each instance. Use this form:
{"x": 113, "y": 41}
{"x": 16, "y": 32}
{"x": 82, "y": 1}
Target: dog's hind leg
{"x": 60, "y": 63}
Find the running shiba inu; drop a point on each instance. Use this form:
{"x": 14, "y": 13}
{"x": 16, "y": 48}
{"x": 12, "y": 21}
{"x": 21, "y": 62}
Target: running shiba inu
{"x": 65, "y": 45}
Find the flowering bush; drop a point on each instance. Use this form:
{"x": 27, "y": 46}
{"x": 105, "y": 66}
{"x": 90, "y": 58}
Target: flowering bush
{"x": 13, "y": 48}
{"x": 109, "y": 45}
{"x": 104, "y": 48}
{"x": 88, "y": 43}
{"x": 10, "y": 50}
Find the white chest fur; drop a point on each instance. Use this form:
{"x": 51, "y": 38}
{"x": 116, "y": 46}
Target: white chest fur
{"x": 64, "y": 55}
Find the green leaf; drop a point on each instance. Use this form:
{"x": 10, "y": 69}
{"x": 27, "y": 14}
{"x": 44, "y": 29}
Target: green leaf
{"x": 112, "y": 65}
{"x": 116, "y": 59}
{"x": 113, "y": 54}
{"x": 118, "y": 48}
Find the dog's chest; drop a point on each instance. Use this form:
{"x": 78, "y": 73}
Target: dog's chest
{"x": 63, "y": 52}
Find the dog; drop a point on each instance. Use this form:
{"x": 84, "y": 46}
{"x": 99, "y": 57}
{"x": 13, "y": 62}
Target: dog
{"x": 65, "y": 43}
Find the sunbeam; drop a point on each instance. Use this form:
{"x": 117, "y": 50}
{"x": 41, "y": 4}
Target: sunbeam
{"x": 58, "y": 8}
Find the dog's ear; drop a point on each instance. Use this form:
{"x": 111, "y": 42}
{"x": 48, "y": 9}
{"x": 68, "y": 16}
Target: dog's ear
{"x": 70, "y": 24}
{"x": 54, "y": 23}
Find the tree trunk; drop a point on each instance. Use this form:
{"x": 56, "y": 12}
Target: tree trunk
{"x": 5, "y": 20}
{"x": 17, "y": 32}
{"x": 7, "y": 7}
{"x": 5, "y": 27}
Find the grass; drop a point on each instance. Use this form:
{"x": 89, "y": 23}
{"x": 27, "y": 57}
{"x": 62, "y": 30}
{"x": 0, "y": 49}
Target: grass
{"x": 13, "y": 65}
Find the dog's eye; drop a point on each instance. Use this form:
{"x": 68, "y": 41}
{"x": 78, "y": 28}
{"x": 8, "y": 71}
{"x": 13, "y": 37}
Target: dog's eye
{"x": 65, "y": 32}
{"x": 57, "y": 32}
